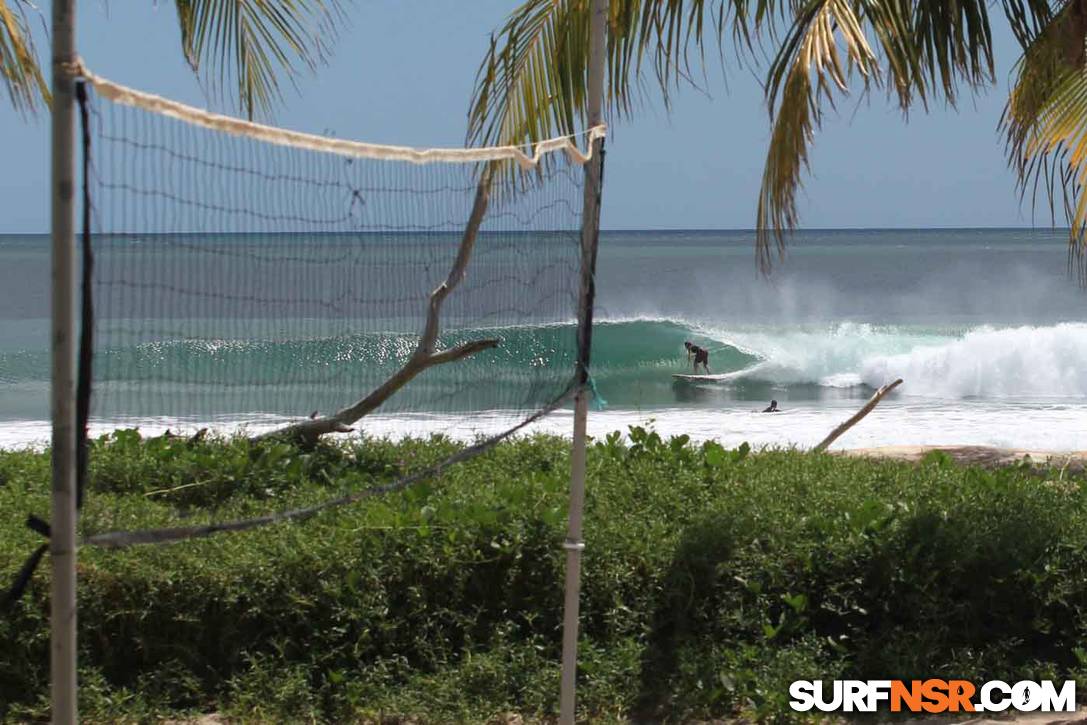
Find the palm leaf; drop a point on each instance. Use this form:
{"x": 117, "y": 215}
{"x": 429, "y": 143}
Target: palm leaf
{"x": 532, "y": 82}
{"x": 247, "y": 44}
{"x": 1045, "y": 123}
{"x": 1028, "y": 18}
{"x": 22, "y": 77}
{"x": 530, "y": 86}
{"x": 928, "y": 50}
{"x": 807, "y": 70}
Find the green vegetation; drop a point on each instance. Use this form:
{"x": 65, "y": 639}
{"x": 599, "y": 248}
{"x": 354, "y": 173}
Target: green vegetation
{"x": 713, "y": 578}
{"x": 247, "y": 45}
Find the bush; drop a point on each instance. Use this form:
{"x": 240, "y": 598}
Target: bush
{"x": 712, "y": 579}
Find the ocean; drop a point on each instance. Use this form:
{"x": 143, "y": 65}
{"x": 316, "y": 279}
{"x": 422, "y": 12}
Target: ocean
{"x": 985, "y": 326}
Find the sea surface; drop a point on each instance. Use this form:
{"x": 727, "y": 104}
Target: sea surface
{"x": 985, "y": 326}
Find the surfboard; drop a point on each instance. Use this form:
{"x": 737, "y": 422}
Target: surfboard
{"x": 704, "y": 378}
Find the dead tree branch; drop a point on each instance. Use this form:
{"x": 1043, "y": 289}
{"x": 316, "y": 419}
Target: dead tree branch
{"x": 872, "y": 403}
{"x": 425, "y": 355}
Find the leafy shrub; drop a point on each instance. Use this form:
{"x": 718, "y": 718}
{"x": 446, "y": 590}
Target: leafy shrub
{"x": 712, "y": 578}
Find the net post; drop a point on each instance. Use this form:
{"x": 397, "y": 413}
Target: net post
{"x": 590, "y": 229}
{"x": 62, "y": 541}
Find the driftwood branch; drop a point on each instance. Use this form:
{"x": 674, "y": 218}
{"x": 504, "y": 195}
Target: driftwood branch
{"x": 425, "y": 355}
{"x": 872, "y": 403}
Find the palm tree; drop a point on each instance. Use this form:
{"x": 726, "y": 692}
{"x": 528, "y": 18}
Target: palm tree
{"x": 243, "y": 44}
{"x": 19, "y": 69}
{"x": 531, "y": 83}
{"x": 927, "y": 51}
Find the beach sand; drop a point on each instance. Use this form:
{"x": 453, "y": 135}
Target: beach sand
{"x": 976, "y": 455}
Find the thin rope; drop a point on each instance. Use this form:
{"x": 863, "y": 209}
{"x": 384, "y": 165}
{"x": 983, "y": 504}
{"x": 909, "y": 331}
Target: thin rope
{"x": 357, "y": 149}
{"x": 124, "y": 539}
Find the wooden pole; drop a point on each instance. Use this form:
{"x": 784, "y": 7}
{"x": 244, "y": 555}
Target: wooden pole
{"x": 872, "y": 402}
{"x": 62, "y": 540}
{"x": 590, "y": 226}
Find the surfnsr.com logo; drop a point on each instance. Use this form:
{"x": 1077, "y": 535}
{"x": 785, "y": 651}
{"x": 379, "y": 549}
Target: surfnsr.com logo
{"x": 931, "y": 696}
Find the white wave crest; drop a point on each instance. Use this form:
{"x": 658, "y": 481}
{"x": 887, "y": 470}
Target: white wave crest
{"x": 1026, "y": 361}
{"x": 831, "y": 357}
{"x": 992, "y": 363}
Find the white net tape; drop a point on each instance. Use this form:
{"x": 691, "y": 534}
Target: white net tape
{"x": 296, "y": 139}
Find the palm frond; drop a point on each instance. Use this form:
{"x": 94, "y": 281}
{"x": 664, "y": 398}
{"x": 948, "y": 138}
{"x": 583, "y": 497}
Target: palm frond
{"x": 1045, "y": 124}
{"x": 928, "y": 50}
{"x": 532, "y": 82}
{"x": 528, "y": 89}
{"x": 247, "y": 44}
{"x": 19, "y": 69}
{"x": 807, "y": 71}
{"x": 1027, "y": 18}
{"x": 955, "y": 45}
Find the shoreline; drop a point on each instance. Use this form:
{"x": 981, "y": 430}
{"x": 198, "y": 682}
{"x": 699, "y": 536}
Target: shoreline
{"x": 963, "y": 454}
{"x": 970, "y": 455}
{"x": 899, "y": 427}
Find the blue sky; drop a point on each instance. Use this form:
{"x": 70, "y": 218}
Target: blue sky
{"x": 403, "y": 71}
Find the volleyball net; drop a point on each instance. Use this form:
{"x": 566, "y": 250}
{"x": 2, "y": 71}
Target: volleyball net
{"x": 252, "y": 280}
{"x": 250, "y": 276}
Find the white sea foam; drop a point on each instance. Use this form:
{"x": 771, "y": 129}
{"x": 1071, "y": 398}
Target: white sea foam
{"x": 902, "y": 421}
{"x": 1016, "y": 362}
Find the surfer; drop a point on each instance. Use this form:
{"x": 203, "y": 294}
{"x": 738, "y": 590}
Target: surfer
{"x": 772, "y": 408}
{"x": 701, "y": 355}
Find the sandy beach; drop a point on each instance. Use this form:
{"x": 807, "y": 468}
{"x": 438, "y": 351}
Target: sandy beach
{"x": 976, "y": 455}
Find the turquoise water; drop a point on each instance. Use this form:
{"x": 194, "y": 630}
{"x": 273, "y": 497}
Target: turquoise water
{"x": 986, "y": 321}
